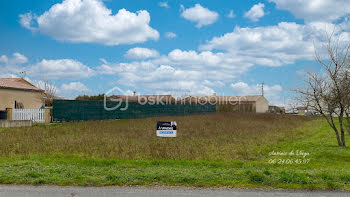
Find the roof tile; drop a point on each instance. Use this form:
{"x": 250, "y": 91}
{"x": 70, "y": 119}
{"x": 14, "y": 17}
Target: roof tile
{"x": 18, "y": 83}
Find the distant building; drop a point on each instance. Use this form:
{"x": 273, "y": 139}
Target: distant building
{"x": 277, "y": 109}
{"x": 19, "y": 93}
{"x": 49, "y": 99}
{"x": 249, "y": 103}
{"x": 152, "y": 99}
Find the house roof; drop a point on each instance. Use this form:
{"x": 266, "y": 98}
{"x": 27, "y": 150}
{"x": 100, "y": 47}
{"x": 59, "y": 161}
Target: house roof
{"x": 222, "y": 99}
{"x": 249, "y": 98}
{"x": 145, "y": 98}
{"x": 18, "y": 83}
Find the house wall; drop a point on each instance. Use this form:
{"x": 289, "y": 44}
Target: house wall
{"x": 262, "y": 105}
{"x": 243, "y": 107}
{"x": 30, "y": 99}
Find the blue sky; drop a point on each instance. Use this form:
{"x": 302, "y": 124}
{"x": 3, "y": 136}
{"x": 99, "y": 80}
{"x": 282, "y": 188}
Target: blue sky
{"x": 181, "y": 47}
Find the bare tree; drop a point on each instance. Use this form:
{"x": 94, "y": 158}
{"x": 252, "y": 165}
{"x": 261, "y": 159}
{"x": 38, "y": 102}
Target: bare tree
{"x": 50, "y": 92}
{"x": 327, "y": 92}
{"x": 346, "y": 83}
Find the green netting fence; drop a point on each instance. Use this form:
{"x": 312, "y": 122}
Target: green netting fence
{"x": 75, "y": 110}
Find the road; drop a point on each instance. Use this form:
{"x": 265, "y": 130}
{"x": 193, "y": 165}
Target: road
{"x": 55, "y": 191}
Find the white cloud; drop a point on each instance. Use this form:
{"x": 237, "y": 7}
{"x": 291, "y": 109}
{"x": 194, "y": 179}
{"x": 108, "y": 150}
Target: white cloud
{"x": 273, "y": 45}
{"x": 200, "y": 15}
{"x": 141, "y": 53}
{"x": 183, "y": 73}
{"x": 12, "y": 66}
{"x": 256, "y": 12}
{"x": 3, "y": 59}
{"x": 7, "y": 75}
{"x": 315, "y": 10}
{"x": 77, "y": 87}
{"x": 231, "y": 14}
{"x": 170, "y": 35}
{"x": 26, "y": 20}
{"x": 175, "y": 81}
{"x": 59, "y": 69}
{"x": 179, "y": 72}
{"x": 240, "y": 86}
{"x": 206, "y": 59}
{"x": 214, "y": 83}
{"x": 115, "y": 68}
{"x": 164, "y": 4}
{"x": 199, "y": 73}
{"x": 17, "y": 65}
{"x": 16, "y": 58}
{"x": 272, "y": 93}
{"x": 201, "y": 66}
{"x": 89, "y": 21}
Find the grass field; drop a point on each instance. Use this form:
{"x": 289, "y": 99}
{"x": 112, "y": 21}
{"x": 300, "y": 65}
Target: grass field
{"x": 223, "y": 149}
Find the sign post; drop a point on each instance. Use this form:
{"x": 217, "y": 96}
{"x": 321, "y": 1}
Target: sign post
{"x": 166, "y": 129}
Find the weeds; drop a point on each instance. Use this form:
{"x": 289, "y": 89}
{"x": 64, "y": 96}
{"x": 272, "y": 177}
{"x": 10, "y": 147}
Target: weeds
{"x": 223, "y": 149}
{"x": 221, "y": 136}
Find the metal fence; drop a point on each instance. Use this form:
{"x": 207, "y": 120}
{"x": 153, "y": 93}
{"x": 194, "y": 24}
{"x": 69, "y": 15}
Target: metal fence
{"x": 74, "y": 110}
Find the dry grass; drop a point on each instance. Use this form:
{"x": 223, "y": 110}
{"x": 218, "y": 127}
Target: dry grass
{"x": 220, "y": 136}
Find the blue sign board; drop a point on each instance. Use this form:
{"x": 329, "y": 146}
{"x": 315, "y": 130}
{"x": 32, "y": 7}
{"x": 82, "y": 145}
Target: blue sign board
{"x": 166, "y": 129}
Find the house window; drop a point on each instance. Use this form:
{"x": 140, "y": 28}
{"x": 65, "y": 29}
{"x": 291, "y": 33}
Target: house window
{"x": 19, "y": 105}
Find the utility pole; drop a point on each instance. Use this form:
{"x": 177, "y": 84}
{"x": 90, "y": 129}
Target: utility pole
{"x": 262, "y": 88}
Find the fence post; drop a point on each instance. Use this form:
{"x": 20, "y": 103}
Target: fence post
{"x": 9, "y": 113}
{"x": 47, "y": 116}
